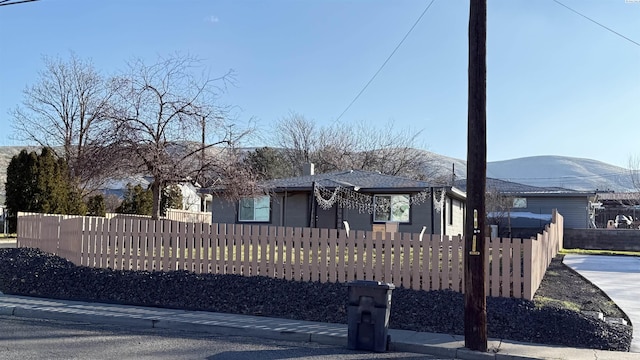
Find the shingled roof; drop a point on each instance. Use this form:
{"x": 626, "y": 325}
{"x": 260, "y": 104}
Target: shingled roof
{"x": 364, "y": 180}
{"x": 508, "y": 187}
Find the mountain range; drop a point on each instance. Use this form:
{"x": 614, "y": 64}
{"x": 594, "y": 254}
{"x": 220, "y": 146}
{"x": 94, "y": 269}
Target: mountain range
{"x": 542, "y": 171}
{"x": 548, "y": 171}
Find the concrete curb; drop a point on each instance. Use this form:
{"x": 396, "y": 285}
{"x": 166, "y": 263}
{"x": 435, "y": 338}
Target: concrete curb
{"x": 443, "y": 345}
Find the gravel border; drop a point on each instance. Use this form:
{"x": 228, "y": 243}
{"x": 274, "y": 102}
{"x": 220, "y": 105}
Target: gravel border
{"x": 32, "y": 272}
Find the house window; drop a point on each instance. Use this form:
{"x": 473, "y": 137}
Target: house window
{"x": 254, "y": 209}
{"x": 519, "y": 203}
{"x": 394, "y": 208}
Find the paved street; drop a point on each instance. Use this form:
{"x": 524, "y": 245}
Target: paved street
{"x": 28, "y": 339}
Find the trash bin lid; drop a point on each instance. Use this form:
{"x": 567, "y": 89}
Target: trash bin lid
{"x": 371, "y": 283}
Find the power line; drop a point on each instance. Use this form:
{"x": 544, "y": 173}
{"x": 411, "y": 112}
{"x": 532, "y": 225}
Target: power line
{"x": 14, "y": 2}
{"x": 597, "y": 23}
{"x": 386, "y": 61}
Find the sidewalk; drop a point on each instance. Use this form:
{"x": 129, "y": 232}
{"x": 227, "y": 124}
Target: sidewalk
{"x": 7, "y": 243}
{"x": 281, "y": 329}
{"x": 618, "y": 277}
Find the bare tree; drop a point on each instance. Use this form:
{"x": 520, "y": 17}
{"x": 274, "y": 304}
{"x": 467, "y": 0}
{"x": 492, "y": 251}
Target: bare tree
{"x": 66, "y": 111}
{"x": 634, "y": 171}
{"x": 297, "y": 137}
{"x": 161, "y": 113}
{"x": 498, "y": 208}
{"x": 390, "y": 150}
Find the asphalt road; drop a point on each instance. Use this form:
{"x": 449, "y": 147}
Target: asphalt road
{"x": 28, "y": 339}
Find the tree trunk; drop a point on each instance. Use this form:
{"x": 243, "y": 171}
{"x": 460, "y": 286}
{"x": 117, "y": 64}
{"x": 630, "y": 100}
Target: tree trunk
{"x": 156, "y": 190}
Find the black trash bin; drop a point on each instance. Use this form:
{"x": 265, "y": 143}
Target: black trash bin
{"x": 368, "y": 315}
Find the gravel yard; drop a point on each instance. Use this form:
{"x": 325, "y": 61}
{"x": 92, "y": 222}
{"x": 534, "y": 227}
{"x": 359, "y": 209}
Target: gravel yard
{"x": 34, "y": 273}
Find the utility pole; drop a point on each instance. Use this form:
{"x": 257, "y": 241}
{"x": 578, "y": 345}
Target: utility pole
{"x": 200, "y": 179}
{"x": 475, "y": 303}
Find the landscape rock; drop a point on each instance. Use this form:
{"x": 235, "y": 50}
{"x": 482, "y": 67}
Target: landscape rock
{"x": 32, "y": 272}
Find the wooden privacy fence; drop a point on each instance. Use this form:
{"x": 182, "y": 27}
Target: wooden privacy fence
{"x": 171, "y": 214}
{"x": 514, "y": 267}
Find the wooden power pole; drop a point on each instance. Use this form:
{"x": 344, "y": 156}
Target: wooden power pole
{"x": 475, "y": 303}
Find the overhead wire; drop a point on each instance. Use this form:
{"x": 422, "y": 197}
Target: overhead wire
{"x": 385, "y": 62}
{"x": 597, "y": 23}
{"x": 14, "y": 2}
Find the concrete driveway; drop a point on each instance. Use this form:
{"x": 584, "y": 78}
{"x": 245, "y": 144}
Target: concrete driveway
{"x": 619, "y": 278}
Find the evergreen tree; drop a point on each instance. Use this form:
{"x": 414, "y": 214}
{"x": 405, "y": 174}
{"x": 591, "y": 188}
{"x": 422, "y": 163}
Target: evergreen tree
{"x": 52, "y": 190}
{"x": 40, "y": 183}
{"x": 96, "y": 206}
{"x": 171, "y": 199}
{"x": 136, "y": 201}
{"x": 140, "y": 201}
{"x": 20, "y": 187}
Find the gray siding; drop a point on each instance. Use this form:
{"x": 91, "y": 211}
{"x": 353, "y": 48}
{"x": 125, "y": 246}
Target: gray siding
{"x": 296, "y": 212}
{"x": 420, "y": 217}
{"x": 573, "y": 209}
{"x": 223, "y": 211}
{"x": 358, "y": 220}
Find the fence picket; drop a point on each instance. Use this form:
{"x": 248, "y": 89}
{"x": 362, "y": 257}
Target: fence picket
{"x": 405, "y": 274}
{"x": 351, "y": 262}
{"x": 313, "y": 260}
{"x": 277, "y": 239}
{"x": 287, "y": 242}
{"x": 297, "y": 242}
{"x": 496, "y": 264}
{"x": 272, "y": 248}
{"x": 336, "y": 266}
{"x": 367, "y": 258}
{"x": 456, "y": 263}
{"x": 239, "y": 232}
{"x": 263, "y": 260}
{"x": 447, "y": 249}
{"x": 306, "y": 251}
{"x": 418, "y": 282}
{"x": 377, "y": 256}
{"x": 527, "y": 246}
{"x": 507, "y": 265}
{"x": 322, "y": 255}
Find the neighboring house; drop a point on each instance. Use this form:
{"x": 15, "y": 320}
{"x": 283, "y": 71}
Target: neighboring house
{"x": 531, "y": 207}
{"x": 192, "y": 197}
{"x": 118, "y": 187}
{"x": 360, "y": 198}
{"x": 191, "y": 194}
{"x": 612, "y": 205}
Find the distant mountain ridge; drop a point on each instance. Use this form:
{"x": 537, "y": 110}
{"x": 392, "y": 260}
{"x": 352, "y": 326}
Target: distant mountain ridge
{"x": 542, "y": 171}
{"x": 549, "y": 171}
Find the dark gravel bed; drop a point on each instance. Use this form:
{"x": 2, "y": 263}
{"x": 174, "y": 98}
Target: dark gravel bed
{"x": 34, "y": 273}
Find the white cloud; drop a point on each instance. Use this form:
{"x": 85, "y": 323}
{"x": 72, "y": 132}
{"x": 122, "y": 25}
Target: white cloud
{"x": 212, "y": 19}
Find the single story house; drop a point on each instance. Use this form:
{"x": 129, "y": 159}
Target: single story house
{"x": 361, "y": 200}
{"x": 530, "y": 207}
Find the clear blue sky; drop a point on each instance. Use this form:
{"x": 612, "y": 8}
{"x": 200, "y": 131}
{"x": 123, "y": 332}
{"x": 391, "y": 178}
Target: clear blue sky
{"x": 558, "y": 84}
